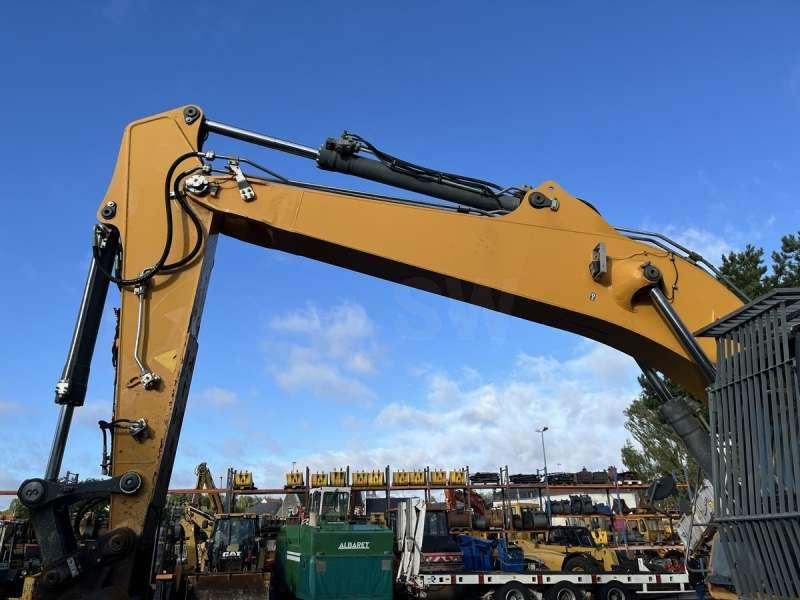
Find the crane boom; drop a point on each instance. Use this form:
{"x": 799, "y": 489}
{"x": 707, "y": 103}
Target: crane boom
{"x": 543, "y": 256}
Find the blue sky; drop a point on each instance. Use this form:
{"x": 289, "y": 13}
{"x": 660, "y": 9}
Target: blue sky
{"x": 681, "y": 117}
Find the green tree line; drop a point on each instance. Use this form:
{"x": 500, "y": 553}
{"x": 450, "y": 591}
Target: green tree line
{"x": 659, "y": 450}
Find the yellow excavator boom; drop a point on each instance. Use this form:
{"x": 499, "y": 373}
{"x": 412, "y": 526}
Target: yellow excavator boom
{"x": 543, "y": 256}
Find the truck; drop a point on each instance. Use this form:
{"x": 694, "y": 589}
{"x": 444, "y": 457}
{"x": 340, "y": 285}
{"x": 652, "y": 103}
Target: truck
{"x": 328, "y": 556}
{"x": 559, "y": 581}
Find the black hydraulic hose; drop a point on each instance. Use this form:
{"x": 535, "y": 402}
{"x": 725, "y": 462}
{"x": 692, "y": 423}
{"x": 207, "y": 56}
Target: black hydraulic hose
{"x": 158, "y": 266}
{"x": 198, "y": 243}
{"x": 374, "y": 170}
{"x": 404, "y": 166}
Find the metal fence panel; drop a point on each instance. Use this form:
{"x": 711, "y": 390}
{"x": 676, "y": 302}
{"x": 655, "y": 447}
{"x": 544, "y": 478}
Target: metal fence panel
{"x": 754, "y": 417}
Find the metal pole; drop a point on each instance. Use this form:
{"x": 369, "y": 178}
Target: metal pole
{"x": 71, "y": 388}
{"x": 262, "y": 140}
{"x": 624, "y": 521}
{"x": 546, "y": 478}
{"x": 59, "y": 442}
{"x": 684, "y": 336}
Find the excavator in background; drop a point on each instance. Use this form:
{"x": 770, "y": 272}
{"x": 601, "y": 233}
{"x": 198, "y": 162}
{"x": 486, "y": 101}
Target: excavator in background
{"x": 454, "y": 499}
{"x": 197, "y": 530}
{"x": 536, "y": 253}
{"x": 219, "y": 554}
{"x": 205, "y": 481}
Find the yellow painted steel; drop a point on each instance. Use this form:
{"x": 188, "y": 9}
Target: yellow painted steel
{"x": 457, "y": 477}
{"x": 205, "y": 481}
{"x": 416, "y": 478}
{"x": 243, "y": 480}
{"x": 338, "y": 477}
{"x": 438, "y": 477}
{"x": 531, "y": 263}
{"x": 319, "y": 479}
{"x": 368, "y": 478}
{"x": 401, "y": 478}
{"x": 377, "y": 478}
{"x": 294, "y": 479}
{"x": 360, "y": 478}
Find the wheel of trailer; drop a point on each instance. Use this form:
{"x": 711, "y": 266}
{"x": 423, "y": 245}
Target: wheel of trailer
{"x": 579, "y": 564}
{"x": 614, "y": 591}
{"x": 513, "y": 590}
{"x": 563, "y": 590}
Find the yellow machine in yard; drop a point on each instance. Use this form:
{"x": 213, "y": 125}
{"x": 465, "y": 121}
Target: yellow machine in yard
{"x": 537, "y": 253}
{"x": 196, "y": 530}
{"x": 215, "y": 555}
{"x": 572, "y": 550}
{"x": 649, "y": 529}
{"x": 599, "y": 527}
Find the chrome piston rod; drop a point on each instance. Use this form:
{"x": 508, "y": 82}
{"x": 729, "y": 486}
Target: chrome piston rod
{"x": 261, "y": 139}
{"x": 71, "y": 388}
{"x": 683, "y": 334}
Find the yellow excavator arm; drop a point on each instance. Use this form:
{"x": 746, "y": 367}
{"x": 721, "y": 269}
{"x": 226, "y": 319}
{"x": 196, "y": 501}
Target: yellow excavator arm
{"x": 539, "y": 254}
{"x": 205, "y": 481}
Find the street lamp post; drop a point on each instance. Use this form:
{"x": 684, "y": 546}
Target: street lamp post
{"x": 546, "y": 478}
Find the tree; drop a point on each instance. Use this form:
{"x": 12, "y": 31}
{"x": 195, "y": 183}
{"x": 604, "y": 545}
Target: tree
{"x": 18, "y": 510}
{"x": 661, "y": 450}
{"x": 746, "y": 270}
{"x": 786, "y": 263}
{"x": 245, "y": 502}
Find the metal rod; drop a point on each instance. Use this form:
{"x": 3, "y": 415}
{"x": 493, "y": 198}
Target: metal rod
{"x": 677, "y": 414}
{"x": 685, "y": 336}
{"x": 139, "y": 318}
{"x": 546, "y": 477}
{"x": 656, "y": 382}
{"x": 262, "y": 140}
{"x": 332, "y": 160}
{"x": 59, "y": 442}
{"x": 71, "y": 388}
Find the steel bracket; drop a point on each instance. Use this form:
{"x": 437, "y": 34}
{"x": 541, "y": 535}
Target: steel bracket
{"x": 64, "y": 560}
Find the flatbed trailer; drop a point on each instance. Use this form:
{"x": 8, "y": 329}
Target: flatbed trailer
{"x": 524, "y": 585}
{"x": 555, "y": 585}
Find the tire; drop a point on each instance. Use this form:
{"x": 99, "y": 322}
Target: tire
{"x": 513, "y": 590}
{"x": 563, "y": 590}
{"x": 579, "y": 564}
{"x": 614, "y": 591}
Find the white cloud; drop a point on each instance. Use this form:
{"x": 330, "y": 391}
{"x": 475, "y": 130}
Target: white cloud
{"x": 442, "y": 390}
{"x": 465, "y": 419}
{"x": 217, "y": 396}
{"x": 342, "y": 332}
{"x": 10, "y": 407}
{"x": 708, "y": 244}
{"x": 323, "y": 379}
{"x": 493, "y": 423}
{"x": 360, "y": 362}
{"x": 327, "y": 353}
{"x": 93, "y": 411}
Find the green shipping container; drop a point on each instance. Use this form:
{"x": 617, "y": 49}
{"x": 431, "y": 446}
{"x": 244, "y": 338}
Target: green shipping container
{"x": 335, "y": 561}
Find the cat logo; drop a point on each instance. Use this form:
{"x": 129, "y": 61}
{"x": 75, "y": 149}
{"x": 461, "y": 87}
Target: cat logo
{"x": 231, "y": 554}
